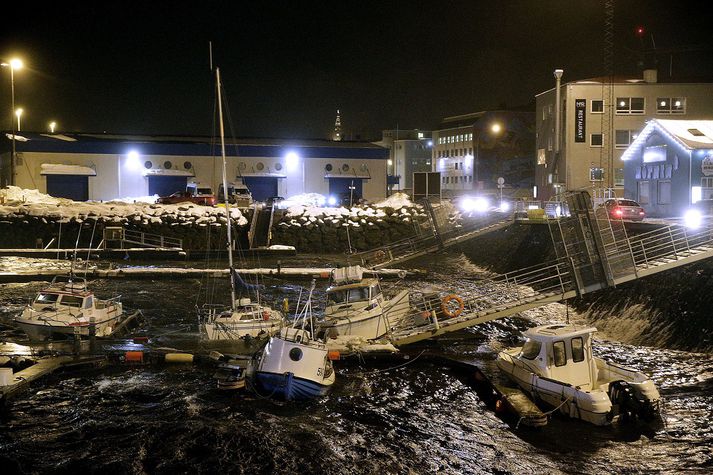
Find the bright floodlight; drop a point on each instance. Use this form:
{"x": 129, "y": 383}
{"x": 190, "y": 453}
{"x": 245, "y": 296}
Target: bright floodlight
{"x": 332, "y": 201}
{"x": 132, "y": 160}
{"x": 16, "y": 63}
{"x": 467, "y": 204}
{"x": 693, "y": 219}
{"x": 496, "y": 128}
{"x": 292, "y": 159}
{"x": 481, "y": 205}
{"x": 389, "y": 162}
{"x": 504, "y": 206}
{"x": 18, "y": 112}
{"x": 53, "y": 125}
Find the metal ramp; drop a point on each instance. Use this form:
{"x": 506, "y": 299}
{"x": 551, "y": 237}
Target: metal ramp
{"x": 438, "y": 234}
{"x": 260, "y": 232}
{"x": 593, "y": 253}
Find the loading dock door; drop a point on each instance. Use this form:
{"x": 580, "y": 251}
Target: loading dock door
{"x": 74, "y": 187}
{"x": 340, "y": 188}
{"x": 164, "y": 185}
{"x": 261, "y": 187}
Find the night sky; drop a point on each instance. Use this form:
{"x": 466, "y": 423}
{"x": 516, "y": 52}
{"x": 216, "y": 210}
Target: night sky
{"x": 143, "y": 67}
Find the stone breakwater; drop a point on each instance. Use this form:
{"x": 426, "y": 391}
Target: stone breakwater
{"x": 29, "y": 219}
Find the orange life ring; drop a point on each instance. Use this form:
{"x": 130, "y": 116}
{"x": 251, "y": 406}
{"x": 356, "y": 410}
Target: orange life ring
{"x": 447, "y": 311}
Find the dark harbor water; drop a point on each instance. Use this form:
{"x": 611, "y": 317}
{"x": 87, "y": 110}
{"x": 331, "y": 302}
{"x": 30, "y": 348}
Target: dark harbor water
{"x": 386, "y": 417}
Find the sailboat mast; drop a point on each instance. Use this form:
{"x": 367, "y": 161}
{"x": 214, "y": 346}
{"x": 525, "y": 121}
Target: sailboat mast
{"x": 226, "y": 198}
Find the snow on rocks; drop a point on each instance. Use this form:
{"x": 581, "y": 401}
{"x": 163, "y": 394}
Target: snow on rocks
{"x": 16, "y": 202}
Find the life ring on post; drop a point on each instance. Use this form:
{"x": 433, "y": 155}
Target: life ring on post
{"x": 446, "y": 309}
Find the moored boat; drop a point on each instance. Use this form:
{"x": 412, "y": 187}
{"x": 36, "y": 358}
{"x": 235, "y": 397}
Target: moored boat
{"x": 293, "y": 365}
{"x": 357, "y": 306}
{"x": 67, "y": 308}
{"x": 556, "y": 367}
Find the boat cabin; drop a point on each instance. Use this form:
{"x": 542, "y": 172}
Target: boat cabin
{"x": 562, "y": 353}
{"x": 348, "y": 294}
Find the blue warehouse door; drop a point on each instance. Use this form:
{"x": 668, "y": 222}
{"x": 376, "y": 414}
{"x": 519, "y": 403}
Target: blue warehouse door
{"x": 166, "y": 185}
{"x": 340, "y": 189}
{"x": 74, "y": 187}
{"x": 261, "y": 187}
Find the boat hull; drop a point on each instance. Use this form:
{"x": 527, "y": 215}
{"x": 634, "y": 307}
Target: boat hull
{"x": 38, "y": 330}
{"x": 289, "y": 387}
{"x": 233, "y": 331}
{"x": 370, "y": 324}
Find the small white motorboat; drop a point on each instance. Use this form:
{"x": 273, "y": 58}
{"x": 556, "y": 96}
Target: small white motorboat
{"x": 293, "y": 365}
{"x": 356, "y": 307}
{"x": 556, "y": 367}
{"x": 66, "y": 308}
{"x": 246, "y": 319}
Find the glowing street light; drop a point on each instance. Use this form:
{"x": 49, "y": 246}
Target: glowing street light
{"x": 13, "y": 64}
{"x": 53, "y": 125}
{"x": 18, "y": 113}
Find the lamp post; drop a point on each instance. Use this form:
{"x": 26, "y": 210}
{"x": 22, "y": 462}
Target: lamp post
{"x": 495, "y": 129}
{"x": 18, "y": 113}
{"x": 53, "y": 125}
{"x": 13, "y": 64}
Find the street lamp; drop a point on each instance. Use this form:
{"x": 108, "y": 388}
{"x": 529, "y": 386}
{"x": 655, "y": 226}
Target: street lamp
{"x": 53, "y": 125}
{"x": 495, "y": 128}
{"x": 13, "y": 64}
{"x": 18, "y": 113}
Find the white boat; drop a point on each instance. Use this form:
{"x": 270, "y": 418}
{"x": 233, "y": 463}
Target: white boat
{"x": 247, "y": 319}
{"x": 357, "y": 307}
{"x": 67, "y": 308}
{"x": 293, "y": 365}
{"x": 244, "y": 318}
{"x": 556, "y": 367}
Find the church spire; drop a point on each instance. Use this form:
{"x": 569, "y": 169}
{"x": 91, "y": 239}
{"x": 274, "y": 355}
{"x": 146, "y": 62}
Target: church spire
{"x": 337, "y": 134}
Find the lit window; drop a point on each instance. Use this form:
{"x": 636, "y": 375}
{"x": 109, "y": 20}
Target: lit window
{"x": 671, "y": 105}
{"x": 630, "y": 105}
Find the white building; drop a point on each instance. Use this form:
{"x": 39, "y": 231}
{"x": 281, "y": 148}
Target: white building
{"x": 599, "y": 119}
{"x": 102, "y": 167}
{"x": 409, "y": 152}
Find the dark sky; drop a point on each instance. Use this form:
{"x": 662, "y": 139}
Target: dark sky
{"x": 142, "y": 66}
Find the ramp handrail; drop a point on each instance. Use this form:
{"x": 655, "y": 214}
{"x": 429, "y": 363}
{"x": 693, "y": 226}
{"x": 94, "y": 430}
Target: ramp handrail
{"x": 152, "y": 240}
{"x": 671, "y": 242}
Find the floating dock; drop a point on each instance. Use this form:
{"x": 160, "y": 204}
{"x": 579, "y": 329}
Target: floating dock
{"x": 183, "y": 273}
{"x": 44, "y": 366}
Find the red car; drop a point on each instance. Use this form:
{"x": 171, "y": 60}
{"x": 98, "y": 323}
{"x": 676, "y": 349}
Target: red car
{"x": 199, "y": 196}
{"x": 619, "y": 208}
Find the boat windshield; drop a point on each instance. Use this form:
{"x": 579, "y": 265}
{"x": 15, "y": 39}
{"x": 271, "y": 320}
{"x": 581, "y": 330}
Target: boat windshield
{"x": 349, "y": 295}
{"x": 71, "y": 301}
{"x": 531, "y": 349}
{"x": 47, "y": 298}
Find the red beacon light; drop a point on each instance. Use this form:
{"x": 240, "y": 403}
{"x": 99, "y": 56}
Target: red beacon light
{"x": 640, "y": 30}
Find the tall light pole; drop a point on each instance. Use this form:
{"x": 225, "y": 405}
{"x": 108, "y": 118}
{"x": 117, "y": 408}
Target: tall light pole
{"x": 558, "y": 77}
{"x": 53, "y": 125}
{"x": 18, "y": 113}
{"x": 13, "y": 64}
{"x": 495, "y": 129}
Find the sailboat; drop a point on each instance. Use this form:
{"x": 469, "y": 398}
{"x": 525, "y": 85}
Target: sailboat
{"x": 244, "y": 317}
{"x": 293, "y": 365}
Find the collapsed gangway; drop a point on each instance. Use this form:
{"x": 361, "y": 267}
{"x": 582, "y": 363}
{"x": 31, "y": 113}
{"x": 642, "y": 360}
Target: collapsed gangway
{"x": 436, "y": 234}
{"x": 593, "y": 253}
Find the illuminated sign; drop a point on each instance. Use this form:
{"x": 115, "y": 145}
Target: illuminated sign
{"x": 707, "y": 165}
{"x": 580, "y": 130}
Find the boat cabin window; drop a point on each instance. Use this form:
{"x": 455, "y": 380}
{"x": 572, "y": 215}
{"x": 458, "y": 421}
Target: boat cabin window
{"x": 88, "y": 302}
{"x": 71, "y": 301}
{"x": 248, "y": 316}
{"x": 577, "y": 349}
{"x": 349, "y": 295}
{"x": 531, "y": 349}
{"x": 559, "y": 354}
{"x": 47, "y": 298}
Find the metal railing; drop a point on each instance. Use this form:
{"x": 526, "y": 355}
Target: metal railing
{"x": 499, "y": 293}
{"x": 669, "y": 243}
{"x": 151, "y": 240}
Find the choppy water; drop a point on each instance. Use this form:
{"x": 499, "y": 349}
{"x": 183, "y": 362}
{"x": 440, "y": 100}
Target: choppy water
{"x": 417, "y": 418}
